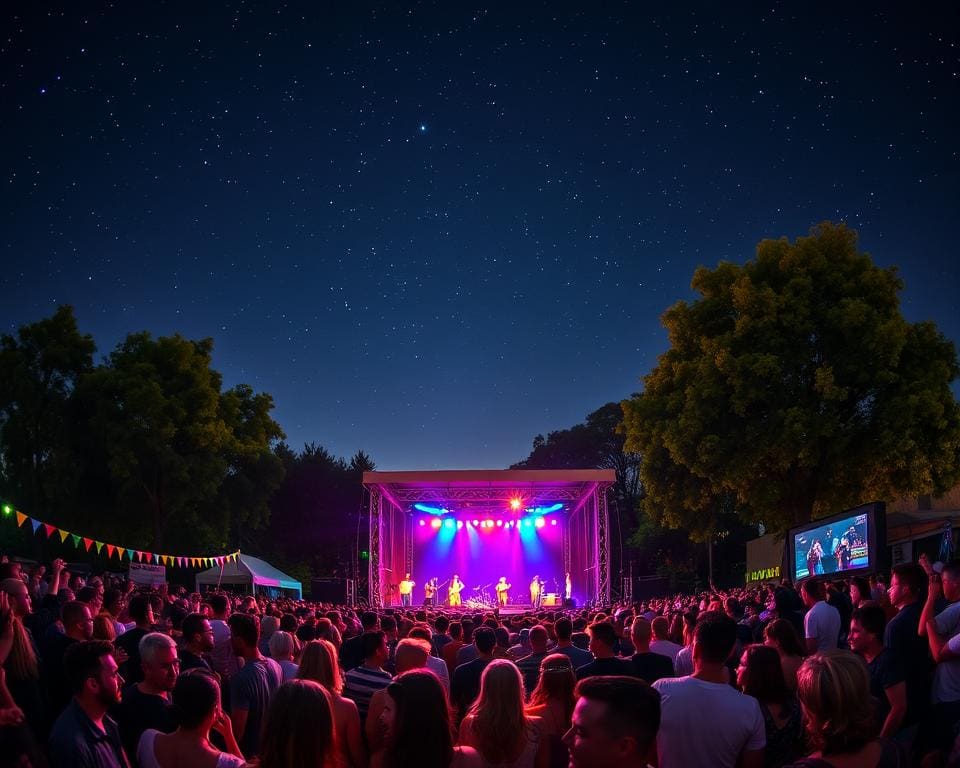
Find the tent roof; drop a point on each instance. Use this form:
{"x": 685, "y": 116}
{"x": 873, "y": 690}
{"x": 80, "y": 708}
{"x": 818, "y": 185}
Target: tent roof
{"x": 249, "y": 569}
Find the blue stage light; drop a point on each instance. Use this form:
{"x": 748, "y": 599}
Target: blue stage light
{"x": 431, "y": 510}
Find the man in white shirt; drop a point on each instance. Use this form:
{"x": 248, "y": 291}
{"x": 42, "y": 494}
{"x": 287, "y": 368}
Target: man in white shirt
{"x": 821, "y": 625}
{"x": 704, "y": 721}
{"x": 661, "y": 642}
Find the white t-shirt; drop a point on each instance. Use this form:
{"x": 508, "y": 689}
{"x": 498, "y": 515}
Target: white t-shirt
{"x": 823, "y": 623}
{"x": 946, "y": 676}
{"x": 666, "y": 648}
{"x": 705, "y": 724}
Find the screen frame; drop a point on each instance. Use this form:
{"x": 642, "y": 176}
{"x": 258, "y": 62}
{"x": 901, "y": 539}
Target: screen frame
{"x": 877, "y": 555}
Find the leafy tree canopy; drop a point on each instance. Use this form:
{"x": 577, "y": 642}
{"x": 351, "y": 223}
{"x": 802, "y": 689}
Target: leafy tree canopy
{"x": 795, "y": 386}
{"x": 39, "y": 369}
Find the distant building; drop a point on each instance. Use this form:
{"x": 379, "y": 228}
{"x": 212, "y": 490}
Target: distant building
{"x": 924, "y": 524}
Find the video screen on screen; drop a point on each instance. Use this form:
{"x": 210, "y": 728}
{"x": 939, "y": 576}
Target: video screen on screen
{"x": 835, "y": 547}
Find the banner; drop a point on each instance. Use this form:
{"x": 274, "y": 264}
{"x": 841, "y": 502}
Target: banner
{"x": 147, "y": 575}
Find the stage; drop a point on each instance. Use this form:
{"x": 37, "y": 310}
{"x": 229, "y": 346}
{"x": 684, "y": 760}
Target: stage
{"x": 486, "y": 525}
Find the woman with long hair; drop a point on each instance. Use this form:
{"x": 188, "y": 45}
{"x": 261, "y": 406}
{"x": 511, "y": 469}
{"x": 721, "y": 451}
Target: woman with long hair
{"x": 834, "y": 689}
{"x": 496, "y": 725}
{"x": 299, "y": 730}
{"x": 760, "y": 675}
{"x": 318, "y": 662}
{"x": 417, "y": 726}
{"x": 18, "y": 656}
{"x": 552, "y": 701}
{"x": 780, "y": 635}
{"x": 196, "y": 707}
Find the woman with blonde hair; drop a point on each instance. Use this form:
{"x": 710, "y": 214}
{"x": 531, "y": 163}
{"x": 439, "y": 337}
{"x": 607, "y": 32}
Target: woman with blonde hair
{"x": 318, "y": 662}
{"x": 299, "y": 731}
{"x": 834, "y": 689}
{"x": 496, "y": 725}
{"x": 552, "y": 701}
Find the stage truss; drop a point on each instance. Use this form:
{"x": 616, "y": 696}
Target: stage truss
{"x": 586, "y": 542}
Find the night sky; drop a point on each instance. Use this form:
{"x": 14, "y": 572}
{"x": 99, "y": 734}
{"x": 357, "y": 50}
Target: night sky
{"x": 434, "y": 231}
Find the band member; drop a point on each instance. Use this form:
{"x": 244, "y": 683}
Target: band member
{"x": 430, "y": 591}
{"x": 406, "y": 590}
{"x": 814, "y": 559}
{"x": 454, "y": 590}
{"x": 503, "y": 591}
{"x": 536, "y": 591}
{"x": 567, "y": 587}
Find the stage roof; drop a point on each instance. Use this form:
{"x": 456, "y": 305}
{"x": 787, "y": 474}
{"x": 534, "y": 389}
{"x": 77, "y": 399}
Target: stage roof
{"x": 473, "y": 487}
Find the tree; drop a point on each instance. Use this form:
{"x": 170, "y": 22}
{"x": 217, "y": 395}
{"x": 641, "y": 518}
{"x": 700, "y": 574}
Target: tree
{"x": 185, "y": 459}
{"x": 795, "y": 386}
{"x": 39, "y": 369}
{"x": 315, "y": 511}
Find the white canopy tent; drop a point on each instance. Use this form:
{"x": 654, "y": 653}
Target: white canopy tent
{"x": 252, "y": 572}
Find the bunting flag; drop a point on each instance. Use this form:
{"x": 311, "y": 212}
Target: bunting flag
{"x": 181, "y": 561}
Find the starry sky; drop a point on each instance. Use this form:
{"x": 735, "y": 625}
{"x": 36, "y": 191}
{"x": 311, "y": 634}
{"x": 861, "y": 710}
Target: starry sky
{"x": 434, "y": 230}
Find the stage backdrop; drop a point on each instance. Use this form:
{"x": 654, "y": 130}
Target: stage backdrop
{"x": 482, "y": 554}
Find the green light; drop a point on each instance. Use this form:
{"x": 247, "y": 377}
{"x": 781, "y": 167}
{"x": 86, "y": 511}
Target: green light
{"x": 7, "y": 509}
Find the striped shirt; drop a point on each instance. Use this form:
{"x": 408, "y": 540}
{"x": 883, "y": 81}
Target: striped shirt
{"x": 361, "y": 683}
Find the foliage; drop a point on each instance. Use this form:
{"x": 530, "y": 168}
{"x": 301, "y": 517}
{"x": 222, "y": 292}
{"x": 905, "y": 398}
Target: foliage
{"x": 39, "y": 369}
{"x": 144, "y": 448}
{"x": 187, "y": 461}
{"x": 318, "y": 512}
{"x": 795, "y": 386}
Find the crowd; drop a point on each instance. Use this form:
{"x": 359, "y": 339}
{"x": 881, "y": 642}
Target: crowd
{"x": 846, "y": 672}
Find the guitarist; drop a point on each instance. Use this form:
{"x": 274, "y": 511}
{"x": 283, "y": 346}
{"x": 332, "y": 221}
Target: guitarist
{"x": 430, "y": 591}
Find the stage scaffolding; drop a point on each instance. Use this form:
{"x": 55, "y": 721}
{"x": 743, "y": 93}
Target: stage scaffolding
{"x": 586, "y": 542}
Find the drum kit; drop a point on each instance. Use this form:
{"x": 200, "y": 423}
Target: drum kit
{"x": 481, "y": 598}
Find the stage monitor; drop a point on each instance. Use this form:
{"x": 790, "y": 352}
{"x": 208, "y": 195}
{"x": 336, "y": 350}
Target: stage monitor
{"x": 852, "y": 542}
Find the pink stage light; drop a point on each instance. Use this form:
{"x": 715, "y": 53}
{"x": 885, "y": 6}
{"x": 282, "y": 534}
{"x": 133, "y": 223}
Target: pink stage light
{"x": 553, "y": 522}
{"x": 540, "y": 522}
{"x": 435, "y": 523}
{"x": 422, "y": 522}
{"x": 499, "y": 523}
{"x": 488, "y": 523}
{"x": 476, "y": 523}
{"x": 459, "y": 523}
{"x": 515, "y": 504}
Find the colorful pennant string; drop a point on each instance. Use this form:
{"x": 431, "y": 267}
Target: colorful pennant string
{"x": 182, "y": 561}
